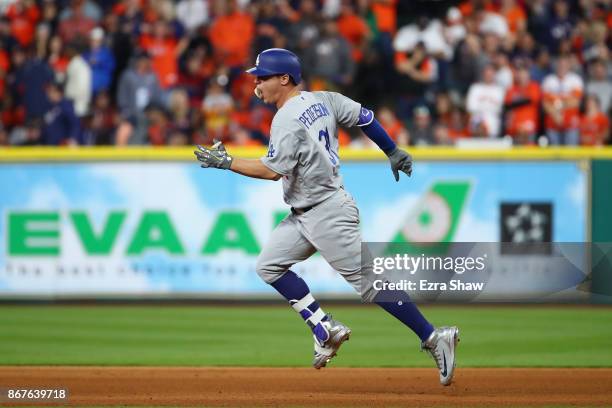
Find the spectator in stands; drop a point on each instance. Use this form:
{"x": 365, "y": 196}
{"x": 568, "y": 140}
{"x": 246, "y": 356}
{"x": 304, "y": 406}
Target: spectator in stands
{"x": 60, "y": 126}
{"x": 596, "y": 43}
{"x": 562, "y": 92}
{"x": 57, "y": 59}
{"x": 180, "y": 114}
{"x": 101, "y": 60}
{"x": 522, "y": 102}
{"x": 426, "y": 31}
{"x": 490, "y": 22}
{"x": 525, "y": 48}
{"x": 303, "y": 33}
{"x": 594, "y": 124}
{"x": 393, "y": 126}
{"x": 270, "y": 27}
{"x": 23, "y": 16}
{"x": 485, "y": 100}
{"x": 421, "y": 132}
{"x": 78, "y": 80}
{"x": 196, "y": 73}
{"x": 41, "y": 40}
{"x": 600, "y": 84}
{"x": 454, "y": 30}
{"x": 193, "y": 14}
{"x": 164, "y": 50}
{"x": 417, "y": 73}
{"x": 441, "y": 135}
{"x": 138, "y": 87}
{"x": 468, "y": 62}
{"x": 122, "y": 44}
{"x": 559, "y": 25}
{"x": 457, "y": 127}
{"x": 328, "y": 63}
{"x": 354, "y": 29}
{"x": 231, "y": 34}
{"x": 515, "y": 16}
{"x": 29, "y": 83}
{"x": 541, "y": 67}
{"x": 104, "y": 120}
{"x": 217, "y": 107}
{"x": 77, "y": 25}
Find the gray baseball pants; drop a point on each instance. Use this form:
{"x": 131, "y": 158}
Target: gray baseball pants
{"x": 332, "y": 228}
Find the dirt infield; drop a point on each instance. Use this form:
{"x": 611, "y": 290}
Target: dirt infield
{"x": 183, "y": 386}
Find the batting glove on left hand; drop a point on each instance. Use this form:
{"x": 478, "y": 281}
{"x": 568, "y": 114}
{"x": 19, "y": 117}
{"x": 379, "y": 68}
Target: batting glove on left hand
{"x": 214, "y": 156}
{"x": 400, "y": 161}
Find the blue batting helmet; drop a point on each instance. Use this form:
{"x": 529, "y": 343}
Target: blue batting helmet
{"x": 275, "y": 61}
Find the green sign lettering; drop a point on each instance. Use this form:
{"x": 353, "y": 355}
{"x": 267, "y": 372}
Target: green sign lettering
{"x": 231, "y": 231}
{"x": 33, "y": 234}
{"x": 155, "y": 231}
{"x": 103, "y": 242}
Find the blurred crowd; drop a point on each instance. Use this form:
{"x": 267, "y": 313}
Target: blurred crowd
{"x": 161, "y": 72}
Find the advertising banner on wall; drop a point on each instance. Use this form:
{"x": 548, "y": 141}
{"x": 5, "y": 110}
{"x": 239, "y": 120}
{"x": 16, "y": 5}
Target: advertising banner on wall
{"x": 172, "y": 228}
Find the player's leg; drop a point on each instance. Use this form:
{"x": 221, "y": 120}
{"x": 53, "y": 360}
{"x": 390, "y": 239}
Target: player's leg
{"x": 334, "y": 231}
{"x": 285, "y": 248}
{"x": 333, "y": 228}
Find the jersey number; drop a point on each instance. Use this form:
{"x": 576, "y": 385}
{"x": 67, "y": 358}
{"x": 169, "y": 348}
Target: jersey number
{"x": 333, "y": 156}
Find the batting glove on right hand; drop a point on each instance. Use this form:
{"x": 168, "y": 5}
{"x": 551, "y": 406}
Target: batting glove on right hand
{"x": 400, "y": 161}
{"x": 215, "y": 156}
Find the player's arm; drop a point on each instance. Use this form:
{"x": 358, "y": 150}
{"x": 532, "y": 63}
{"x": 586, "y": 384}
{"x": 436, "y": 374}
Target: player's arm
{"x": 400, "y": 160}
{"x": 216, "y": 156}
{"x": 253, "y": 168}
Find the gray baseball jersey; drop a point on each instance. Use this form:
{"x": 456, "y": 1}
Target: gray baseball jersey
{"x": 304, "y": 145}
{"x": 304, "y": 149}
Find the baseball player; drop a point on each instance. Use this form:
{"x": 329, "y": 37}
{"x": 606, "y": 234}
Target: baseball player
{"x": 303, "y": 152}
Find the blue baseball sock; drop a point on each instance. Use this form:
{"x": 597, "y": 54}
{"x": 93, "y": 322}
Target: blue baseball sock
{"x": 405, "y": 311}
{"x": 296, "y": 291}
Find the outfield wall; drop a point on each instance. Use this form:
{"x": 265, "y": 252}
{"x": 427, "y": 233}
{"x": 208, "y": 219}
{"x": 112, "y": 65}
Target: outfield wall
{"x": 149, "y": 222}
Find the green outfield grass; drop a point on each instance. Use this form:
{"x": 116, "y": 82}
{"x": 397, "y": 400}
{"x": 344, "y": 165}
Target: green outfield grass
{"x": 508, "y": 336}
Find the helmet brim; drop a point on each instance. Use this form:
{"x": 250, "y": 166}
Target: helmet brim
{"x": 257, "y": 71}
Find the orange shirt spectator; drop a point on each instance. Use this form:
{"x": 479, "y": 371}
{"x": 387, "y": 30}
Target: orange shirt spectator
{"x": 231, "y": 36}
{"x": 393, "y": 126}
{"x": 562, "y": 92}
{"x": 386, "y": 15}
{"x": 23, "y": 15}
{"x": 354, "y": 29}
{"x": 163, "y": 51}
{"x": 523, "y": 119}
{"x": 594, "y": 124}
{"x": 514, "y": 14}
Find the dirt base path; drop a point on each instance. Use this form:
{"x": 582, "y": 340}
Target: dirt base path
{"x": 184, "y": 386}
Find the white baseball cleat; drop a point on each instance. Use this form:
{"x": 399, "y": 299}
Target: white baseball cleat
{"x": 441, "y": 345}
{"x": 324, "y": 351}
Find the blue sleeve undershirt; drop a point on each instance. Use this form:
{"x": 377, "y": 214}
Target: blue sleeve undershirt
{"x": 373, "y": 130}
